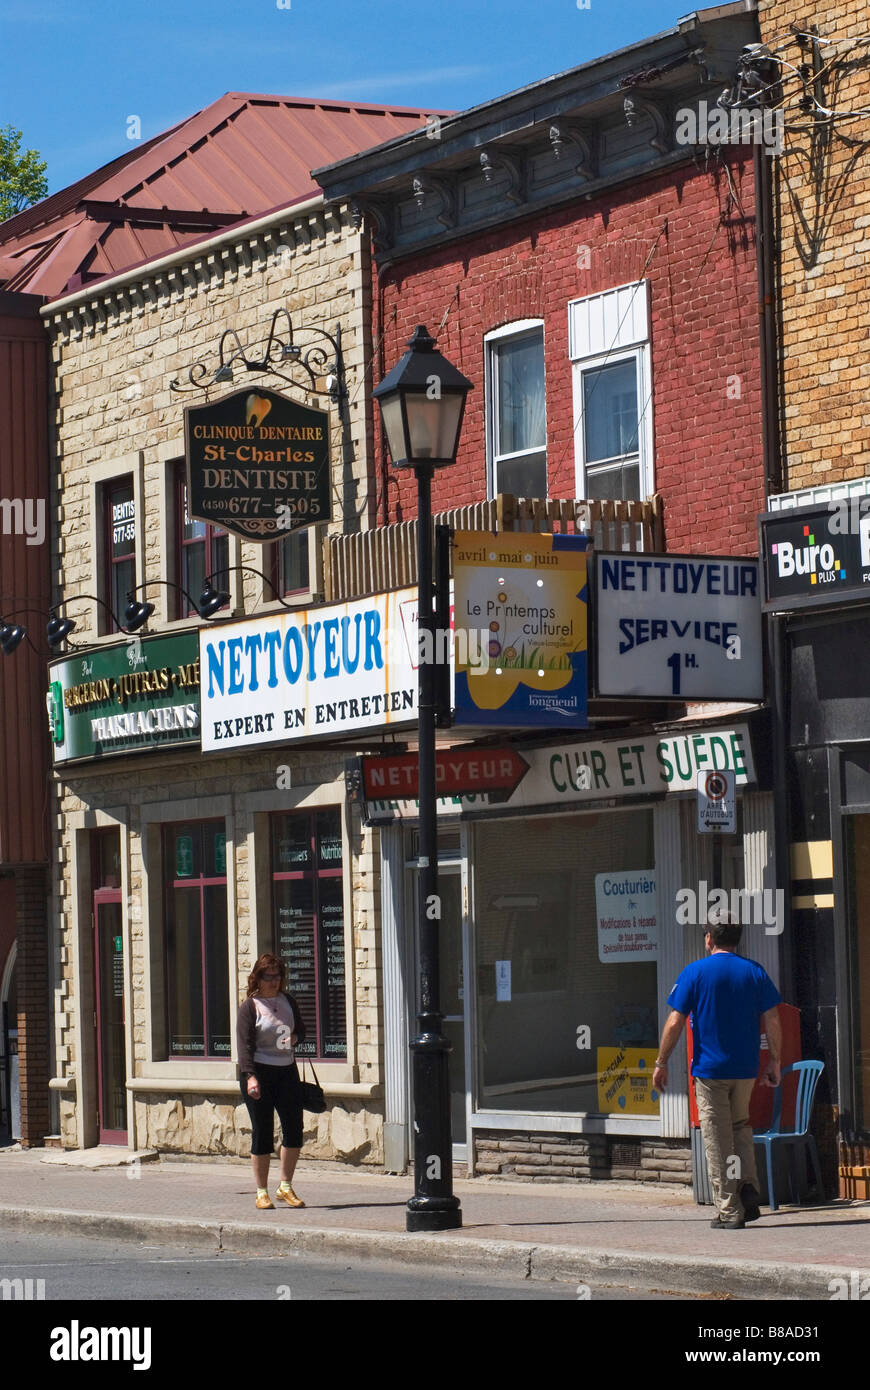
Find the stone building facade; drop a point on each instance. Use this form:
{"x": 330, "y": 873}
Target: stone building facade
{"x": 116, "y": 349}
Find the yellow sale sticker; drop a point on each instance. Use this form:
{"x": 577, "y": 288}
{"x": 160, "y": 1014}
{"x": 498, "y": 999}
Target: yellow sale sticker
{"x": 625, "y": 1077}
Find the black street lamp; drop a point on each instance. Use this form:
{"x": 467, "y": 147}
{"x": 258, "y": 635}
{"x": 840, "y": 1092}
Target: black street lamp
{"x": 422, "y": 401}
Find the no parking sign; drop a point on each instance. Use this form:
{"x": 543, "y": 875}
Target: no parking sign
{"x": 717, "y": 801}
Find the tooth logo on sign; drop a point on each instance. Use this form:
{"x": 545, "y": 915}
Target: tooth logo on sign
{"x": 256, "y": 409}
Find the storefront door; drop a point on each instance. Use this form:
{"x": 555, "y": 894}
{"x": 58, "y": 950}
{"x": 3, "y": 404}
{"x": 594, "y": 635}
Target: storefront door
{"x": 453, "y": 995}
{"x": 109, "y": 996}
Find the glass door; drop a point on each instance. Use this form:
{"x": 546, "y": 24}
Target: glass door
{"x": 110, "y": 1022}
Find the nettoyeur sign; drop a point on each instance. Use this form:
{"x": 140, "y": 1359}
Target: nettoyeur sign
{"x": 139, "y": 695}
{"x": 457, "y": 771}
{"x": 257, "y": 464}
{"x": 576, "y": 773}
{"x": 309, "y": 672}
{"x": 684, "y": 627}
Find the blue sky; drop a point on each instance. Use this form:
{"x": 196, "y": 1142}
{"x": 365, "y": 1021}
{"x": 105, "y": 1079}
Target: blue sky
{"x": 73, "y": 71}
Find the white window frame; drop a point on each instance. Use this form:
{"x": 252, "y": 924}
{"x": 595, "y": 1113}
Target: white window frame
{"x": 521, "y": 328}
{"x": 604, "y": 330}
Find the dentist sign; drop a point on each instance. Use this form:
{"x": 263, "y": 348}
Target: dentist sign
{"x": 678, "y": 627}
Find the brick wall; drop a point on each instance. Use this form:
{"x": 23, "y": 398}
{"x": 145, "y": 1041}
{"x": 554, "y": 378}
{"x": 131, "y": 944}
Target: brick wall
{"x": 34, "y": 1031}
{"x": 823, "y": 235}
{"x": 705, "y": 342}
{"x": 566, "y": 1157}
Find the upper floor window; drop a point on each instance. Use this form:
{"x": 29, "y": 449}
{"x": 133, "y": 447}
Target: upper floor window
{"x": 119, "y": 512}
{"x": 516, "y": 409}
{"x": 609, "y": 344}
{"x": 288, "y": 566}
{"x": 201, "y": 549}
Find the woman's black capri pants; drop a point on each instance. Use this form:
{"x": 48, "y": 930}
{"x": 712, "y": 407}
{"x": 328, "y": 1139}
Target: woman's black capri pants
{"x": 279, "y": 1090}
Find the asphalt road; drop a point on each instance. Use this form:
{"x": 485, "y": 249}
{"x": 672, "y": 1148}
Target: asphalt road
{"x": 76, "y": 1269}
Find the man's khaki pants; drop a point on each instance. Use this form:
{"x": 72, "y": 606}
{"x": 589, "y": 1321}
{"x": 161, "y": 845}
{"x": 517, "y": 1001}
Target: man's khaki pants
{"x": 723, "y": 1109}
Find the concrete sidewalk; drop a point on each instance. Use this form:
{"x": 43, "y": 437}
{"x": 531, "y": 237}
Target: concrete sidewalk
{"x": 604, "y": 1233}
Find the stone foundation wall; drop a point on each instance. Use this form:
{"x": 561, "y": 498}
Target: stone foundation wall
{"x": 192, "y": 1124}
{"x": 562, "y": 1157}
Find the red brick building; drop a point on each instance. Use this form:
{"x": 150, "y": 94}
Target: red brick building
{"x": 597, "y": 280}
{"x": 588, "y": 233}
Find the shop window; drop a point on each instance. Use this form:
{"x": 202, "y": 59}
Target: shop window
{"x": 119, "y": 515}
{"x": 201, "y": 550}
{"x": 308, "y": 912}
{"x": 609, "y": 336}
{"x": 516, "y": 410}
{"x": 566, "y": 974}
{"x": 858, "y": 852}
{"x": 195, "y": 859}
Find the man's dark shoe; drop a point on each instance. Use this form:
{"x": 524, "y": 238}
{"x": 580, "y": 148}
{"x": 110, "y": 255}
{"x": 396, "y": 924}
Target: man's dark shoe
{"x": 751, "y": 1202}
{"x": 734, "y": 1224}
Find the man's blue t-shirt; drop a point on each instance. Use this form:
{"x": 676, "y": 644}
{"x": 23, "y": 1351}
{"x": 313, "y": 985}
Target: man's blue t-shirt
{"x": 725, "y": 995}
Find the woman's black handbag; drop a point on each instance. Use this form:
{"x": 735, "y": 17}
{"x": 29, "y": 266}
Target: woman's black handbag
{"x": 313, "y": 1099}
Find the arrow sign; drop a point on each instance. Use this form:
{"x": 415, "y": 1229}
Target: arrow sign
{"x": 458, "y": 772}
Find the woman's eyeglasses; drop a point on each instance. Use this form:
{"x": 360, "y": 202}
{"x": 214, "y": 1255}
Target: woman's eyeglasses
{"x": 270, "y": 977}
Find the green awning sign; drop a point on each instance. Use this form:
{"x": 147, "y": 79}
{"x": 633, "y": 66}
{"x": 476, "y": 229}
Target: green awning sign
{"x": 136, "y": 696}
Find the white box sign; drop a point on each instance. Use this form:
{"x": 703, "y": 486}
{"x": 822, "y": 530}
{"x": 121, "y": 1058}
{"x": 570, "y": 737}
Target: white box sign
{"x": 717, "y": 802}
{"x": 678, "y": 627}
{"x": 317, "y": 671}
{"x": 625, "y": 905}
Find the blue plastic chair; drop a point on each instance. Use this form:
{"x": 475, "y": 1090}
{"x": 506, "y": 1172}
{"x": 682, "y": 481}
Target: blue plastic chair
{"x": 799, "y": 1137}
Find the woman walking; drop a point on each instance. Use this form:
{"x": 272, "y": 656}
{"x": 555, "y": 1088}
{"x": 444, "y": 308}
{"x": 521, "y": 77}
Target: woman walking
{"x": 269, "y": 1026}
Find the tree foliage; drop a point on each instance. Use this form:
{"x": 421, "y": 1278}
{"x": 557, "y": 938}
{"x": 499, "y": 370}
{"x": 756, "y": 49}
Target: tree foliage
{"x": 22, "y": 176}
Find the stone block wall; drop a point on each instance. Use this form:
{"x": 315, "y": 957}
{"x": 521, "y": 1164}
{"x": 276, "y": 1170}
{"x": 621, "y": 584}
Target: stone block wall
{"x": 351, "y": 1128}
{"x": 115, "y": 352}
{"x": 192, "y": 1124}
{"x": 585, "y": 1157}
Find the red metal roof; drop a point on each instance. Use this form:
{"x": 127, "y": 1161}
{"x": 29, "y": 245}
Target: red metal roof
{"x": 239, "y": 158}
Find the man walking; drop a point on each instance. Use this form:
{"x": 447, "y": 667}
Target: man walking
{"x": 730, "y": 999}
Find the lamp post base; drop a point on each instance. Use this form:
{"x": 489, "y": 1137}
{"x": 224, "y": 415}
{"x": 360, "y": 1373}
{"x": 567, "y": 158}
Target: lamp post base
{"x": 433, "y": 1214}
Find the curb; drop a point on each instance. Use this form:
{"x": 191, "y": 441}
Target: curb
{"x": 690, "y": 1274}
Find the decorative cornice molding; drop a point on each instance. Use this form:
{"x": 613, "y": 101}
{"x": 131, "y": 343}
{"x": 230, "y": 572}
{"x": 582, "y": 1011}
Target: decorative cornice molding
{"x": 638, "y": 104}
{"x": 514, "y": 163}
{"x": 585, "y": 141}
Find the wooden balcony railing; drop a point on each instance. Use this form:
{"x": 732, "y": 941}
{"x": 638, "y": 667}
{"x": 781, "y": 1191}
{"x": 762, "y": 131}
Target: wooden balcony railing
{"x": 371, "y": 562}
